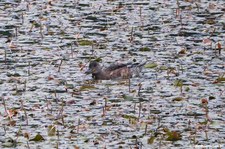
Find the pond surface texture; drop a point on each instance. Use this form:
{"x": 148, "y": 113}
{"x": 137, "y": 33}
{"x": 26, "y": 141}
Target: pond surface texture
{"x": 48, "y": 102}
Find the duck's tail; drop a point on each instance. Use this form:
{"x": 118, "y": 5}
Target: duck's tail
{"x": 138, "y": 64}
{"x": 137, "y": 67}
{"x": 142, "y": 64}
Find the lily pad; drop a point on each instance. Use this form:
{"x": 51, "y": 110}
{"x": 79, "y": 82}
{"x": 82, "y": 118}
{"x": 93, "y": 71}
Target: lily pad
{"x": 178, "y": 99}
{"x": 172, "y": 135}
{"x": 144, "y": 49}
{"x": 151, "y": 65}
{"x": 151, "y": 140}
{"x": 87, "y": 87}
{"x": 51, "y": 130}
{"x": 178, "y": 83}
{"x": 84, "y": 42}
{"x": 37, "y": 138}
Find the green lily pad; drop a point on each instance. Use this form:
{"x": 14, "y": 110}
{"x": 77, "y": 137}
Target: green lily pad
{"x": 173, "y": 136}
{"x": 163, "y": 67}
{"x": 178, "y": 83}
{"x": 187, "y": 89}
{"x": 151, "y": 65}
{"x": 84, "y": 42}
{"x": 144, "y": 49}
{"x": 221, "y": 79}
{"x": 87, "y": 87}
{"x": 129, "y": 117}
{"x": 37, "y": 138}
{"x": 151, "y": 140}
{"x": 51, "y": 130}
{"x": 130, "y": 98}
{"x": 178, "y": 99}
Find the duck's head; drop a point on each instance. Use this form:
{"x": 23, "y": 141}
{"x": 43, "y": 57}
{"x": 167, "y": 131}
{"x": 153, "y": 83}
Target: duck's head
{"x": 93, "y": 68}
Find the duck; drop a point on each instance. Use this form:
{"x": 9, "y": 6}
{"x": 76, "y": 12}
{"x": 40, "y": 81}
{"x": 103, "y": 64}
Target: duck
{"x": 114, "y": 71}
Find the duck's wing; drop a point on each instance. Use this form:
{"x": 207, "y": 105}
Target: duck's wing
{"x": 117, "y": 66}
{"x": 129, "y": 65}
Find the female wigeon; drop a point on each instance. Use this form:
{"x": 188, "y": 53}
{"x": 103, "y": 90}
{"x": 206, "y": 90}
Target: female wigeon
{"x": 114, "y": 71}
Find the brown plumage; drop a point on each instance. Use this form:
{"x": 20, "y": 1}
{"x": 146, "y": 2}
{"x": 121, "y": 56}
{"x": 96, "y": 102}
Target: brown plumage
{"x": 114, "y": 71}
